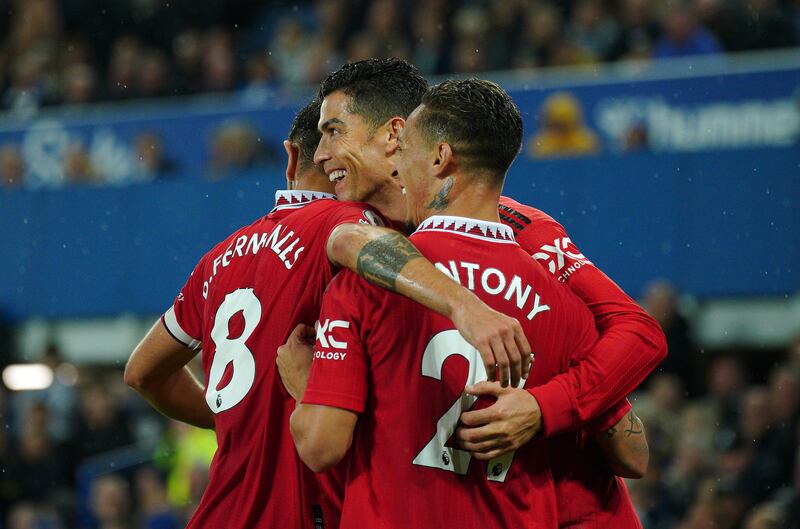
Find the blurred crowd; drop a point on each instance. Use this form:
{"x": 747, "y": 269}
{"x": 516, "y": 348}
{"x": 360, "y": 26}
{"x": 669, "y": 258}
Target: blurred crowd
{"x": 73, "y": 52}
{"x": 723, "y": 433}
{"x": 88, "y": 453}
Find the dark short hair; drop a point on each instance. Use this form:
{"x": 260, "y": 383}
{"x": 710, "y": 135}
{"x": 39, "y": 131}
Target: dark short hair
{"x": 380, "y": 89}
{"x": 478, "y": 119}
{"x": 305, "y": 134}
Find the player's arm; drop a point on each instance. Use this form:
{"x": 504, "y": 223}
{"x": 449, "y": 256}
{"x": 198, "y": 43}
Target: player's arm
{"x": 335, "y": 390}
{"x": 389, "y": 260}
{"x": 630, "y": 347}
{"x": 322, "y": 434}
{"x": 625, "y": 447}
{"x": 157, "y": 370}
{"x": 593, "y": 390}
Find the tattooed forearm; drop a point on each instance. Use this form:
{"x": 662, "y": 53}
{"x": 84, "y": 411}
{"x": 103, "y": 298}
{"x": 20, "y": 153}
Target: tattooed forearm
{"x": 440, "y": 201}
{"x": 381, "y": 259}
{"x": 634, "y": 425}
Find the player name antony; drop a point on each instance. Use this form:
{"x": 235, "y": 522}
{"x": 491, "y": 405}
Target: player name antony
{"x": 495, "y": 283}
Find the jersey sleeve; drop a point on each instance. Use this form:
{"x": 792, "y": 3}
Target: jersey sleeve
{"x": 630, "y": 347}
{"x": 183, "y": 320}
{"x": 609, "y": 418}
{"x": 548, "y": 242}
{"x": 339, "y": 372}
{"x": 354, "y": 213}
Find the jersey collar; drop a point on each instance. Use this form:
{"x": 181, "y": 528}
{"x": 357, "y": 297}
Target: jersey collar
{"x": 292, "y": 199}
{"x": 481, "y": 229}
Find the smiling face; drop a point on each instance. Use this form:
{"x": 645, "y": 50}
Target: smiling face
{"x": 414, "y": 161}
{"x": 351, "y": 152}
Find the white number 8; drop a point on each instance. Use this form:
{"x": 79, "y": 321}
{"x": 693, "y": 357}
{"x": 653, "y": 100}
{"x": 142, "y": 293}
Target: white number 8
{"x": 435, "y": 454}
{"x": 233, "y": 351}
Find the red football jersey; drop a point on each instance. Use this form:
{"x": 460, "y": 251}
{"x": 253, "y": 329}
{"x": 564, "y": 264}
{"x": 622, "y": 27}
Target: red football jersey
{"x": 240, "y": 304}
{"x": 589, "y": 495}
{"x": 404, "y": 368}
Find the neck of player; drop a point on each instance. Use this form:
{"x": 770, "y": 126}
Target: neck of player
{"x": 473, "y": 198}
{"x": 389, "y": 200}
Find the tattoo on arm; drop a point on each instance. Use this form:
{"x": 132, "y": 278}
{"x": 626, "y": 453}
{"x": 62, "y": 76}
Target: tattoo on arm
{"x": 381, "y": 260}
{"x": 634, "y": 427}
{"x": 440, "y": 201}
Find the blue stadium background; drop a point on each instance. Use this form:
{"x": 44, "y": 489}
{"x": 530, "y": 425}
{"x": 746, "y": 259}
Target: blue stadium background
{"x": 689, "y": 201}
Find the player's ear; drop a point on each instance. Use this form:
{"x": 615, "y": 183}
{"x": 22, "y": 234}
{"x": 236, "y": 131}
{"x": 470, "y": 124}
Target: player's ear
{"x": 443, "y": 161}
{"x": 393, "y": 128}
{"x": 293, "y": 154}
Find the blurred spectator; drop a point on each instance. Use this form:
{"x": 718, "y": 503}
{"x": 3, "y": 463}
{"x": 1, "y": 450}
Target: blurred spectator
{"x": 219, "y": 65}
{"x": 152, "y": 496}
{"x": 541, "y": 36}
{"x": 59, "y": 400}
{"x": 152, "y": 75}
{"x": 77, "y": 50}
{"x": 33, "y": 516}
{"x": 260, "y": 83}
{"x": 765, "y": 516}
{"x": 12, "y": 166}
{"x": 726, "y": 380}
{"x": 471, "y": 27}
{"x": 127, "y": 40}
{"x": 683, "y": 36}
{"x": 661, "y": 410}
{"x": 362, "y": 46}
{"x": 563, "y": 132}
{"x": 79, "y": 85}
{"x": 506, "y": 20}
{"x": 35, "y": 23}
{"x": 333, "y": 17}
{"x": 289, "y": 51}
{"x": 100, "y": 425}
{"x": 661, "y": 301}
{"x": 236, "y": 146}
{"x": 782, "y": 442}
{"x": 123, "y": 67}
{"x": 151, "y": 160}
{"x": 323, "y": 59}
{"x": 187, "y": 50}
{"x": 111, "y": 503}
{"x": 429, "y": 40}
{"x": 37, "y": 469}
{"x": 185, "y": 454}
{"x": 592, "y": 28}
{"x": 639, "y": 32}
{"x": 28, "y": 90}
{"x": 768, "y": 26}
{"x": 793, "y": 354}
{"x": 764, "y": 471}
{"x": 386, "y": 26}
{"x": 726, "y": 20}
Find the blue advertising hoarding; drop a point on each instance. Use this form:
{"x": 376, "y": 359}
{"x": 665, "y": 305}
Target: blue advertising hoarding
{"x": 708, "y": 201}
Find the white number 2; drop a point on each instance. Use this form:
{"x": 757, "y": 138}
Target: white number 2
{"x": 435, "y": 454}
{"x": 233, "y": 351}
